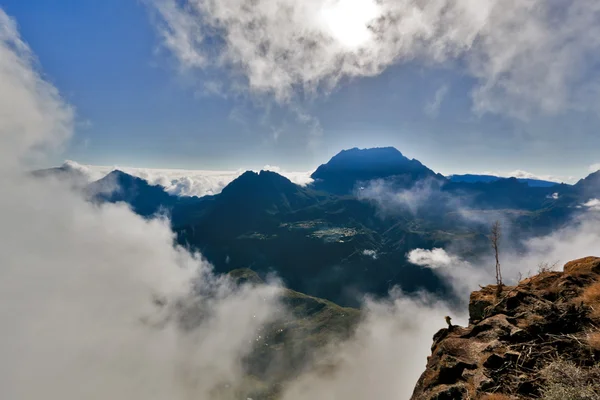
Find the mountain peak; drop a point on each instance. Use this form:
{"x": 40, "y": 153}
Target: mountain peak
{"x": 265, "y": 190}
{"x": 368, "y": 157}
{"x": 349, "y": 167}
{"x": 251, "y": 181}
{"x": 119, "y": 186}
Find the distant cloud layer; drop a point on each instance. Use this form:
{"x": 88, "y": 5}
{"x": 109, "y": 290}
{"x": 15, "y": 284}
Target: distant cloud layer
{"x": 524, "y": 56}
{"x": 183, "y": 182}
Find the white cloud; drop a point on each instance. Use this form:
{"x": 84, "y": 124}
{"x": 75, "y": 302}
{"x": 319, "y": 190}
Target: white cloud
{"x": 432, "y": 108}
{"x": 28, "y": 104}
{"x": 521, "y": 174}
{"x": 78, "y": 280}
{"x": 384, "y": 359}
{"x": 593, "y": 204}
{"x": 390, "y": 199}
{"x": 526, "y": 56}
{"x": 433, "y": 258}
{"x": 183, "y": 182}
{"x": 370, "y": 253}
{"x": 594, "y": 167}
{"x": 553, "y": 196}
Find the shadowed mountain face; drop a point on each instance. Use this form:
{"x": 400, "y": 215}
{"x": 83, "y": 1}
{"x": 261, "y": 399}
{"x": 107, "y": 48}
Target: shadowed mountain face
{"x": 335, "y": 241}
{"x": 470, "y": 178}
{"x": 144, "y": 199}
{"x": 356, "y": 166}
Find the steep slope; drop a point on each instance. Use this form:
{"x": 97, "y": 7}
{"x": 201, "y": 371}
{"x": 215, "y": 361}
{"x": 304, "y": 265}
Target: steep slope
{"x": 285, "y": 348}
{"x": 588, "y": 187}
{"x": 537, "y": 339}
{"x": 66, "y": 172}
{"x": 351, "y": 167}
{"x": 144, "y": 199}
{"x": 266, "y": 191}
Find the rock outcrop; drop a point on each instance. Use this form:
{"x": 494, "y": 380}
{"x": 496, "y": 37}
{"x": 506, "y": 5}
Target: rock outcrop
{"x": 518, "y": 334}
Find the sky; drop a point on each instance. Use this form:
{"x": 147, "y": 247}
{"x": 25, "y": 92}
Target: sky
{"x": 463, "y": 86}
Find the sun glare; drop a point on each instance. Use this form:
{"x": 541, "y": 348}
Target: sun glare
{"x": 347, "y": 20}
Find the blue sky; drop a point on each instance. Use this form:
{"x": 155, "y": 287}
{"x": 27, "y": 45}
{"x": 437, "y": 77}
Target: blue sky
{"x": 141, "y": 102}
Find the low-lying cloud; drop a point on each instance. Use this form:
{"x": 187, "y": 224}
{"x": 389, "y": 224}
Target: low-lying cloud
{"x": 181, "y": 182}
{"x": 390, "y": 199}
{"x": 524, "y": 56}
{"x": 433, "y": 258}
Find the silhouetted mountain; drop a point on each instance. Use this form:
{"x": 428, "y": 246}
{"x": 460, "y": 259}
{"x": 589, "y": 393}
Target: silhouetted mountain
{"x": 588, "y": 187}
{"x": 350, "y": 168}
{"x": 266, "y": 191}
{"x": 327, "y": 241}
{"x": 144, "y": 199}
{"x": 470, "y": 178}
{"x": 64, "y": 173}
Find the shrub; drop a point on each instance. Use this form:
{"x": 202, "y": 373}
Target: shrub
{"x": 566, "y": 381}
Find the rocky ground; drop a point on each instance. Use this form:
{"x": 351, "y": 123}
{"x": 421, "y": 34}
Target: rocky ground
{"x": 539, "y": 339}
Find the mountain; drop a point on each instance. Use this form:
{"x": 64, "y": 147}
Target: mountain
{"x": 588, "y": 187}
{"x": 470, "y": 178}
{"x": 350, "y": 168}
{"x": 538, "y": 339}
{"x": 66, "y": 172}
{"x": 315, "y": 241}
{"x": 330, "y": 242}
{"x": 267, "y": 191}
{"x": 144, "y": 199}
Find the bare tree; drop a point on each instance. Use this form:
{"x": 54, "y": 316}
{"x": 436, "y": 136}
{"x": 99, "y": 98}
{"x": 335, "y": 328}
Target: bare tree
{"x": 495, "y": 236}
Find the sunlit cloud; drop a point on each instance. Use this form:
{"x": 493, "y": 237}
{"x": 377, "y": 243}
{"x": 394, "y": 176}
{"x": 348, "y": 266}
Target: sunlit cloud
{"x": 525, "y": 57}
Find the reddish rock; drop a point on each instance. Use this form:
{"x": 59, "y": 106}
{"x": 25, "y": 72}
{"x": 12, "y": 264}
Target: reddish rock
{"x": 512, "y": 335}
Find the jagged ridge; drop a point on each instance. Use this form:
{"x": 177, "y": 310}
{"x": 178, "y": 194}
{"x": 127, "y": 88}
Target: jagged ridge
{"x": 513, "y": 337}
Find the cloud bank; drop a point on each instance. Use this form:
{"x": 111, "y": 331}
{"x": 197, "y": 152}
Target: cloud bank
{"x": 96, "y": 302}
{"x": 523, "y": 56}
{"x": 181, "y": 182}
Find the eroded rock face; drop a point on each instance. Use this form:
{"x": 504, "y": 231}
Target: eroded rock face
{"x": 514, "y": 334}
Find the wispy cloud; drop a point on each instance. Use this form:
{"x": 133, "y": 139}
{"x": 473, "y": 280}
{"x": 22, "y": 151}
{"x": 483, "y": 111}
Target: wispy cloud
{"x": 594, "y": 167}
{"x": 29, "y": 104}
{"x": 525, "y": 56}
{"x": 592, "y": 204}
{"x": 433, "y": 107}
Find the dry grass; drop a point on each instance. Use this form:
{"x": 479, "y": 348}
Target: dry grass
{"x": 497, "y": 396}
{"x": 591, "y": 295}
{"x": 566, "y": 381}
{"x": 593, "y": 339}
{"x": 595, "y": 314}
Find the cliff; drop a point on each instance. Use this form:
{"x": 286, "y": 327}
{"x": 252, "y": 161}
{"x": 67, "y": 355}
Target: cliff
{"x": 539, "y": 339}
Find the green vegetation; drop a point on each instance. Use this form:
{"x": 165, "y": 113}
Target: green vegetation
{"x": 285, "y": 347}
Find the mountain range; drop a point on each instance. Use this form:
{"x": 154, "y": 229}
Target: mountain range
{"x": 349, "y": 232}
